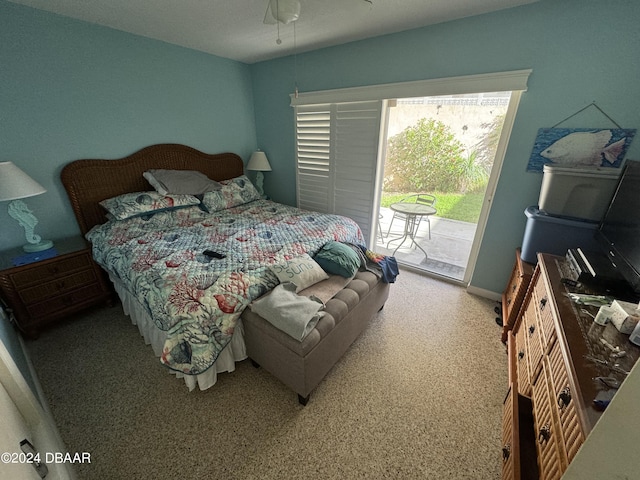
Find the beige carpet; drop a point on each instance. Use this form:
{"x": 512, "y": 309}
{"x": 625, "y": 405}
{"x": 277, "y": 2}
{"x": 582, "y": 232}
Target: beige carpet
{"x": 418, "y": 396}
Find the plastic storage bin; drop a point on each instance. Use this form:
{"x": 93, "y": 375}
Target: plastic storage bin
{"x": 546, "y": 233}
{"x": 582, "y": 193}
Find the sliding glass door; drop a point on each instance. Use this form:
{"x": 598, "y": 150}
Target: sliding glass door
{"x": 341, "y": 143}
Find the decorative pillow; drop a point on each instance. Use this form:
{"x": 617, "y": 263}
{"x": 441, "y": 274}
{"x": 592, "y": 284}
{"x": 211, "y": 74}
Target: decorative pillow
{"x": 233, "y": 192}
{"x": 142, "y": 203}
{"x": 338, "y": 259}
{"x": 302, "y": 271}
{"x": 183, "y": 182}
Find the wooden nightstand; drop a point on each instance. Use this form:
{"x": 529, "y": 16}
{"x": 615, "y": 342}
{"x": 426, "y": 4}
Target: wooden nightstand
{"x": 48, "y": 290}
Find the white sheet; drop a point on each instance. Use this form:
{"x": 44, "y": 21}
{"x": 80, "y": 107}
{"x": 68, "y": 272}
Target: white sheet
{"x": 234, "y": 352}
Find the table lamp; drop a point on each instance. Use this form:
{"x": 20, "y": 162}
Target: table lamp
{"x": 259, "y": 163}
{"x": 14, "y": 185}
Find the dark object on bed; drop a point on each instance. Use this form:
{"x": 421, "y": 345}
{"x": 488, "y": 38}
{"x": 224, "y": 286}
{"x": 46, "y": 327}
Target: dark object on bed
{"x": 88, "y": 182}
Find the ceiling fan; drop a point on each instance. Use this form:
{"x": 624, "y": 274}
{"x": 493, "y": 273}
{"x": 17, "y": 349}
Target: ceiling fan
{"x": 282, "y": 11}
{"x": 285, "y": 11}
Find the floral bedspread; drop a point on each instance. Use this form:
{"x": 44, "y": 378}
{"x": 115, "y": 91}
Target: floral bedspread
{"x": 197, "y": 299}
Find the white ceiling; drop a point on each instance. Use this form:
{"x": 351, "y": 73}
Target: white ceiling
{"x": 234, "y": 28}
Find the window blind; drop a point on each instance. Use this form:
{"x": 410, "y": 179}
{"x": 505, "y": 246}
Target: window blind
{"x": 337, "y": 156}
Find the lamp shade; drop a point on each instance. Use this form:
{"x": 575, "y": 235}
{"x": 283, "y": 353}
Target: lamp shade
{"x": 259, "y": 162}
{"x": 14, "y": 183}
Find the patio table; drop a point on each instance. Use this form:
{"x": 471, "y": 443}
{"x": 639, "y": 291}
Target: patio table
{"x": 412, "y": 212}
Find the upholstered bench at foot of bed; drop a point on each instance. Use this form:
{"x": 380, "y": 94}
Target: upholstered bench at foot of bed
{"x": 302, "y": 365}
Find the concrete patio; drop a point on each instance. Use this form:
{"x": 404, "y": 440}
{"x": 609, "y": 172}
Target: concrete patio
{"x": 448, "y": 249}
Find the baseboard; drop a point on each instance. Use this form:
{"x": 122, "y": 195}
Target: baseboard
{"x": 481, "y": 292}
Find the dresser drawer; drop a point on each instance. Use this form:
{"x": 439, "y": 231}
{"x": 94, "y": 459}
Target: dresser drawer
{"x": 544, "y": 310}
{"x": 533, "y": 338}
{"x": 562, "y": 396}
{"x": 58, "y": 286}
{"x": 514, "y": 293}
{"x": 549, "y": 443}
{"x": 510, "y": 445}
{"x": 68, "y": 300}
{"x": 522, "y": 362}
{"x": 35, "y": 275}
{"x": 518, "y": 447}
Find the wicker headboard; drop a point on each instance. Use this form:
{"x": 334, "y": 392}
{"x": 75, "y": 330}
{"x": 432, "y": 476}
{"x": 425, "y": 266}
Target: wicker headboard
{"x": 88, "y": 182}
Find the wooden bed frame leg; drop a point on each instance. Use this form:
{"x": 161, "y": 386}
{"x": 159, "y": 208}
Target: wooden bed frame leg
{"x": 303, "y": 400}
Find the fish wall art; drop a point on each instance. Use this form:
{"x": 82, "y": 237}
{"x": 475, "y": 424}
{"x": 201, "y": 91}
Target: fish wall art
{"x": 579, "y": 147}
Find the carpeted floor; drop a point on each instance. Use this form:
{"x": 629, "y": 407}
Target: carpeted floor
{"x": 418, "y": 396}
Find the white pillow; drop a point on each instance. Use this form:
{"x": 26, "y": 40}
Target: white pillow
{"x": 302, "y": 271}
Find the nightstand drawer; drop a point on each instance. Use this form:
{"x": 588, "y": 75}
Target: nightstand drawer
{"x": 34, "y": 275}
{"x": 58, "y": 286}
{"x": 68, "y": 300}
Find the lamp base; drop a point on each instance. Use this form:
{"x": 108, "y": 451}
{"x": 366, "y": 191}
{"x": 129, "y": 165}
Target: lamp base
{"x": 38, "y": 247}
{"x": 260, "y": 183}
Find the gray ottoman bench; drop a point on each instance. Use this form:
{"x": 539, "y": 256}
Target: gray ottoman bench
{"x": 302, "y": 365}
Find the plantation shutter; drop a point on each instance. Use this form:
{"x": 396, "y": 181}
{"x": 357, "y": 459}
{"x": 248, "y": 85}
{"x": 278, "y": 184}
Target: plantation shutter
{"x": 337, "y": 156}
{"x": 313, "y": 158}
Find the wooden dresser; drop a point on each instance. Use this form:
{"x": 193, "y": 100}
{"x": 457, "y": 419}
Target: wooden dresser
{"x": 514, "y": 293}
{"x": 41, "y": 292}
{"x": 556, "y": 357}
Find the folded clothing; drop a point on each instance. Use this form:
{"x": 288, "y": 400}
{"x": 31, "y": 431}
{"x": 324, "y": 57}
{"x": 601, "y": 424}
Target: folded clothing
{"x": 294, "y": 314}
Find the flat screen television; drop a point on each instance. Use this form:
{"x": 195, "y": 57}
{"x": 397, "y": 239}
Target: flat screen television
{"x": 619, "y": 231}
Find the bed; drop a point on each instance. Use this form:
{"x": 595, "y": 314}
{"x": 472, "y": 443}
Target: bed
{"x": 186, "y": 302}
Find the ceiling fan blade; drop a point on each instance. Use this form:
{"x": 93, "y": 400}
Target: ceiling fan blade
{"x": 283, "y": 11}
{"x": 269, "y": 16}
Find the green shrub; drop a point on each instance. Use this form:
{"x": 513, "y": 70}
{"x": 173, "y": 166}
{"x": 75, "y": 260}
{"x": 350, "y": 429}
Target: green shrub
{"x": 427, "y": 157}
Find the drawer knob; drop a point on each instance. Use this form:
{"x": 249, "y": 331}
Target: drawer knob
{"x": 532, "y": 329}
{"x": 543, "y": 303}
{"x": 564, "y": 397}
{"x": 520, "y": 354}
{"x": 544, "y": 434}
{"x": 506, "y": 452}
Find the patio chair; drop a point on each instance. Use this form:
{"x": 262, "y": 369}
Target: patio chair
{"x": 423, "y": 198}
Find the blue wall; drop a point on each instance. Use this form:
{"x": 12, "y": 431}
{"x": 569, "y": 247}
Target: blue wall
{"x": 72, "y": 90}
{"x": 580, "y": 51}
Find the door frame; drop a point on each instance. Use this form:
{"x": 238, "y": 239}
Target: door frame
{"x": 39, "y": 420}
{"x": 492, "y": 184}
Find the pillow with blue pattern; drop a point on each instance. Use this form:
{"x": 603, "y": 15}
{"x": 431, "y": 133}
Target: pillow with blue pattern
{"x": 232, "y": 193}
{"x": 143, "y": 203}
